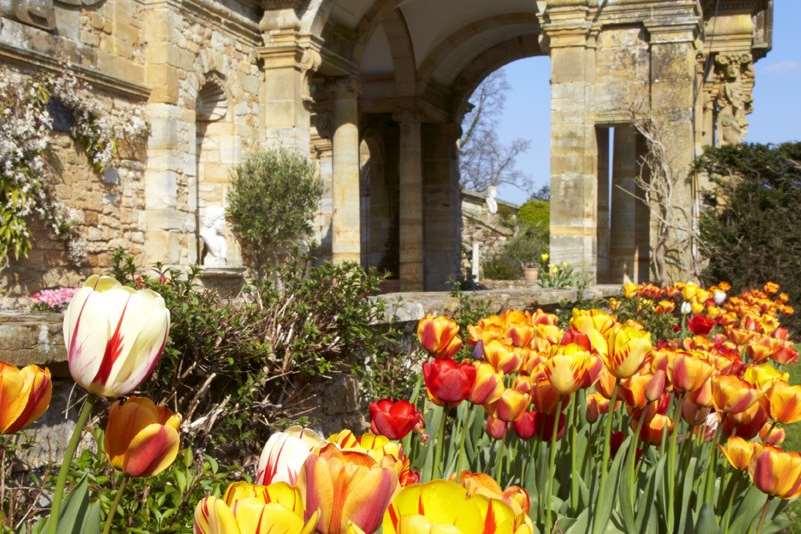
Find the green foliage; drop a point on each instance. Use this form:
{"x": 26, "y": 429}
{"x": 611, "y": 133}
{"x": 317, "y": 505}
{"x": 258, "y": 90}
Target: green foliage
{"x": 749, "y": 229}
{"x": 661, "y": 325}
{"x": 502, "y": 267}
{"x": 271, "y": 203}
{"x": 563, "y": 276}
{"x": 535, "y": 214}
{"x": 242, "y": 368}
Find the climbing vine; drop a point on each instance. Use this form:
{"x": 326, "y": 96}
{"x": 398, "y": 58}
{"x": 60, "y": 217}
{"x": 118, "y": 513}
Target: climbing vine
{"x": 28, "y": 107}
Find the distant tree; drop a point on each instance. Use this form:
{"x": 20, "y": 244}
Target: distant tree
{"x": 483, "y": 159}
{"x": 543, "y": 193}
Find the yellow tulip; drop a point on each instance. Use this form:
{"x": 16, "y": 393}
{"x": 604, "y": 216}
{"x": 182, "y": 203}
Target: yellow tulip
{"x": 738, "y": 452}
{"x": 763, "y": 375}
{"x": 784, "y": 402}
{"x": 444, "y": 507}
{"x": 732, "y": 394}
{"x": 141, "y": 439}
{"x": 24, "y": 396}
{"x": 251, "y": 509}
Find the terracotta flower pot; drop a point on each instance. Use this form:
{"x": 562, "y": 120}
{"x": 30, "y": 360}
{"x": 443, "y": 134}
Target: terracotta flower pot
{"x": 531, "y": 274}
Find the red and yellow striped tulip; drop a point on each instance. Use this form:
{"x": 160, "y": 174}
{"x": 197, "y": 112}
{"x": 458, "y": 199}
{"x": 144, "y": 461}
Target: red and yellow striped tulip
{"x": 24, "y": 396}
{"x": 345, "y": 487}
{"x": 784, "y": 402}
{"x": 512, "y": 404}
{"x": 439, "y": 336}
{"x": 776, "y": 472}
{"x": 732, "y": 394}
{"x": 114, "y": 335}
{"x": 516, "y": 497}
{"x": 386, "y": 452}
{"x": 597, "y": 404}
{"x": 504, "y": 358}
{"x": 141, "y": 439}
{"x": 488, "y": 386}
{"x": 285, "y": 453}
{"x": 628, "y": 347}
{"x": 738, "y": 452}
{"x": 567, "y": 368}
{"x": 687, "y": 372}
{"x": 251, "y": 509}
{"x": 444, "y": 507}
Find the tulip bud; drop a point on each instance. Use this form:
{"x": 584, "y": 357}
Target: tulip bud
{"x": 488, "y": 385}
{"x": 686, "y": 308}
{"x": 738, "y": 452}
{"x": 526, "y": 425}
{"x": 496, "y": 427}
{"x": 597, "y": 404}
{"x": 655, "y": 386}
{"x": 511, "y": 405}
{"x": 772, "y": 435}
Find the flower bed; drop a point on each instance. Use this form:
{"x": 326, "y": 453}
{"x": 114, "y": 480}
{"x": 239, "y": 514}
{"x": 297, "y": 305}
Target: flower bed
{"x": 663, "y": 412}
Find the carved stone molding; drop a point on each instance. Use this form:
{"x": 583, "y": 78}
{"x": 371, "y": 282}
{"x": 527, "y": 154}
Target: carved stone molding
{"x": 39, "y": 13}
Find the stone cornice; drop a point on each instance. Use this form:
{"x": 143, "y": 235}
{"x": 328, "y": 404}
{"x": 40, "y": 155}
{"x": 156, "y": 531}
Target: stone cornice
{"x": 110, "y": 84}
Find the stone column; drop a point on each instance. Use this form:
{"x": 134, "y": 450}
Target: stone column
{"x": 573, "y": 145}
{"x": 411, "y": 203}
{"x": 287, "y": 59}
{"x": 623, "y": 240}
{"x": 442, "y": 212}
{"x": 345, "y": 224}
{"x": 673, "y": 69}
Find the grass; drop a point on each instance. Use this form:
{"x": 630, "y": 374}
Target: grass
{"x": 793, "y": 442}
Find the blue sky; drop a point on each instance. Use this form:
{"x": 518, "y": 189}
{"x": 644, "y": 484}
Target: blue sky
{"x": 777, "y": 103}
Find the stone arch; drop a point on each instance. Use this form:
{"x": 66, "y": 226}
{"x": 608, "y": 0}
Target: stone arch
{"x": 211, "y": 65}
{"x": 447, "y": 45}
{"x": 487, "y": 62}
{"x": 400, "y": 43}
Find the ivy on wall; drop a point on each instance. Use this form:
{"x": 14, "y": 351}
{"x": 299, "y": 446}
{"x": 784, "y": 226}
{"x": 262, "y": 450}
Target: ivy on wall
{"x": 31, "y": 109}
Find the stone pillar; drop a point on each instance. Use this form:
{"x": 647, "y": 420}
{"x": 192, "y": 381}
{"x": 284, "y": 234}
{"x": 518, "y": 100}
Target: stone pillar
{"x": 288, "y": 59}
{"x": 345, "y": 224}
{"x": 573, "y": 145}
{"x": 623, "y": 233}
{"x": 168, "y": 221}
{"x": 442, "y": 213}
{"x": 411, "y": 203}
{"x": 673, "y": 69}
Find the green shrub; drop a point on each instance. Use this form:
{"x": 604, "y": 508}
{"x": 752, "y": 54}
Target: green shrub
{"x": 271, "y": 204}
{"x": 749, "y": 228}
{"x": 535, "y": 214}
{"x": 502, "y": 267}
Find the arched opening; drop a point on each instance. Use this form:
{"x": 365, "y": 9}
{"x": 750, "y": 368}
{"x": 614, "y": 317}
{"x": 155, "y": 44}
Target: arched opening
{"x": 215, "y": 154}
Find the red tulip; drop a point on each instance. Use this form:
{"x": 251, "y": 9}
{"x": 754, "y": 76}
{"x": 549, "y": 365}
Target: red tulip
{"x": 526, "y": 425}
{"x": 700, "y": 325}
{"x": 393, "y": 419}
{"x": 496, "y": 427}
{"x": 447, "y": 381}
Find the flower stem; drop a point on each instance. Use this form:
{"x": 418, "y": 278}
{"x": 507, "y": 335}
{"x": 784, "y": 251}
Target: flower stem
{"x": 574, "y": 472}
{"x": 608, "y": 437}
{"x": 72, "y": 446}
{"x": 114, "y": 505}
{"x": 551, "y": 467}
{"x": 436, "y": 469}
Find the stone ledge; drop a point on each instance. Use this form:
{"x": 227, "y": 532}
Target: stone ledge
{"x": 27, "y": 338}
{"x": 413, "y": 306}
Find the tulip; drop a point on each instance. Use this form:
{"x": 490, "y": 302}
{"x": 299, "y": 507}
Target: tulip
{"x": 597, "y": 404}
{"x": 496, "y": 427}
{"x": 628, "y": 347}
{"x": 784, "y": 353}
{"x": 784, "y": 402}
{"x": 567, "y": 369}
{"x": 545, "y": 424}
{"x": 763, "y": 375}
{"x": 771, "y": 435}
{"x": 482, "y": 484}
{"x": 746, "y": 424}
{"x": 114, "y": 335}
{"x": 719, "y": 296}
{"x": 503, "y": 357}
{"x": 686, "y": 372}
{"x": 141, "y": 439}
{"x": 394, "y": 419}
{"x": 251, "y": 509}
{"x": 652, "y": 430}
{"x": 520, "y": 335}
{"x": 633, "y": 390}
{"x": 738, "y": 452}
{"x": 448, "y": 382}
{"x": 488, "y": 385}
{"x": 544, "y": 396}
{"x": 284, "y": 454}
{"x": 776, "y": 472}
{"x": 380, "y": 448}
{"x": 700, "y": 325}
{"x": 439, "y": 336}
{"x": 526, "y": 425}
{"x": 606, "y": 383}
{"x": 665, "y": 307}
{"x": 24, "y": 396}
{"x": 345, "y": 487}
{"x": 446, "y": 507}
{"x": 512, "y": 404}
{"x": 731, "y": 394}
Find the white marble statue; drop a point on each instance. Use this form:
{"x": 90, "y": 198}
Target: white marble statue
{"x": 492, "y": 203}
{"x": 212, "y": 226}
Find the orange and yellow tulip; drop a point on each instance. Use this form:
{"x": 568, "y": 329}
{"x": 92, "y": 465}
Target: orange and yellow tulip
{"x": 512, "y": 404}
{"x": 738, "y": 452}
{"x": 763, "y": 375}
{"x": 141, "y": 439}
{"x": 251, "y": 509}
{"x": 732, "y": 394}
{"x": 503, "y": 357}
{"x": 488, "y": 386}
{"x": 597, "y": 404}
{"x": 24, "y": 396}
{"x": 346, "y": 487}
{"x": 628, "y": 347}
{"x": 386, "y": 452}
{"x": 784, "y": 402}
{"x": 444, "y": 507}
{"x": 687, "y": 372}
{"x": 439, "y": 336}
{"x": 776, "y": 472}
{"x": 652, "y": 430}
